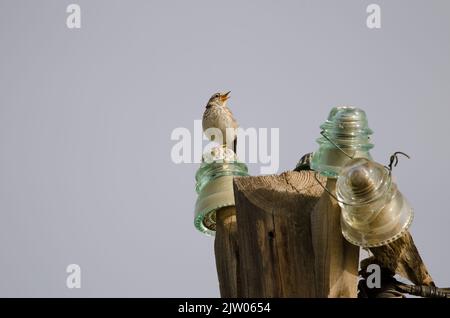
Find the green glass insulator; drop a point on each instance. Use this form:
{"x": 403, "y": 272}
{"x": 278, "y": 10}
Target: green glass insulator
{"x": 214, "y": 185}
{"x": 345, "y": 135}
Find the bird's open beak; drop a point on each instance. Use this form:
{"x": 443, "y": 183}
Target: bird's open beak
{"x": 225, "y": 96}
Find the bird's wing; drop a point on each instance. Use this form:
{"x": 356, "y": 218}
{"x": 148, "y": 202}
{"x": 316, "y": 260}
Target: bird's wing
{"x": 233, "y": 120}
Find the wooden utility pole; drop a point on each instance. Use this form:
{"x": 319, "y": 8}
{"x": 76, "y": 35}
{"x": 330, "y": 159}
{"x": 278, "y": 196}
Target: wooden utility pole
{"x": 336, "y": 260}
{"x": 227, "y": 252}
{"x": 274, "y": 233}
{"x": 283, "y": 241}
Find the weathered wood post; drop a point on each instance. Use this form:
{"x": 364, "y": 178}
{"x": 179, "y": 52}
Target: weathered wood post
{"x": 226, "y": 250}
{"x": 280, "y": 222}
{"x": 273, "y": 221}
{"x": 336, "y": 260}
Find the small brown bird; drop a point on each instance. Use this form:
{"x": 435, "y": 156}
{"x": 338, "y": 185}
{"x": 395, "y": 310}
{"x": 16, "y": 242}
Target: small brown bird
{"x": 218, "y": 115}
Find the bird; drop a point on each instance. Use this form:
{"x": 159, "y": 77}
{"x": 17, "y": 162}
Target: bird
{"x": 218, "y": 115}
{"x": 304, "y": 163}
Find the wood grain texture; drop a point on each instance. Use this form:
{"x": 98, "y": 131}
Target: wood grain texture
{"x": 273, "y": 221}
{"x": 336, "y": 260}
{"x": 227, "y": 252}
{"x": 403, "y": 258}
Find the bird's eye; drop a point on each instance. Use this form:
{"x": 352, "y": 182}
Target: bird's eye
{"x": 217, "y": 95}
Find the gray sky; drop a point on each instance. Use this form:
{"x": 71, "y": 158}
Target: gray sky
{"x": 86, "y": 116}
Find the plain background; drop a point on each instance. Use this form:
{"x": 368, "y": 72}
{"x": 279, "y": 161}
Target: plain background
{"x": 86, "y": 117}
